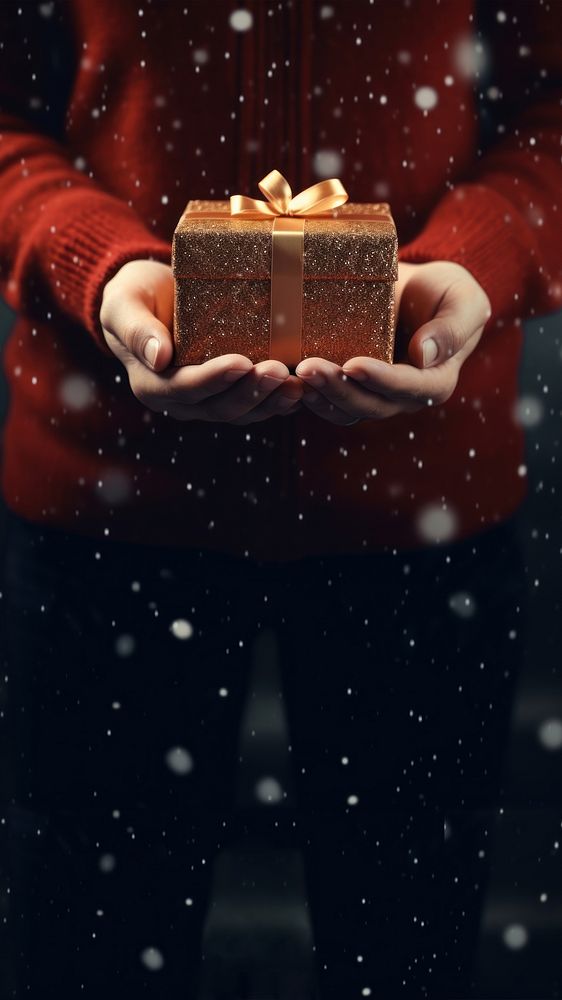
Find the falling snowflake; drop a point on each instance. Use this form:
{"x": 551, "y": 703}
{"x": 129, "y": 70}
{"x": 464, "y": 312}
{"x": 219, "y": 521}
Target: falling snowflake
{"x": 200, "y": 56}
{"x": 115, "y": 486}
{"x": 125, "y": 645}
{"x": 550, "y": 734}
{"x": 76, "y": 392}
{"x": 179, "y": 760}
{"x": 181, "y": 628}
{"x": 425, "y": 98}
{"x": 268, "y": 790}
{"x": 470, "y": 58}
{"x": 241, "y": 20}
{"x": 152, "y": 959}
{"x": 462, "y": 604}
{"x": 515, "y": 937}
{"x": 436, "y": 524}
{"x": 528, "y": 411}
{"x": 327, "y": 163}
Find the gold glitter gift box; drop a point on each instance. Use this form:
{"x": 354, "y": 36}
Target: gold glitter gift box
{"x": 288, "y": 278}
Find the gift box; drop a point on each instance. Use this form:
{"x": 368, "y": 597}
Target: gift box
{"x": 287, "y": 278}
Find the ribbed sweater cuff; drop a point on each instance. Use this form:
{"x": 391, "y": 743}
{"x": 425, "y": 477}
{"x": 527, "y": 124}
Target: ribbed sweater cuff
{"x": 88, "y": 249}
{"x": 480, "y": 229}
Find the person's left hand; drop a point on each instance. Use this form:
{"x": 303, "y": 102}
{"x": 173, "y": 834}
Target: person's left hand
{"x": 441, "y": 311}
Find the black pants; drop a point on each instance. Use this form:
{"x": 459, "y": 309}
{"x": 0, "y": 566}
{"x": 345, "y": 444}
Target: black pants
{"x": 398, "y": 673}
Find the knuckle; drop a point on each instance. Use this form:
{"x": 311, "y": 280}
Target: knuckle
{"x": 482, "y": 299}
{"x": 460, "y": 336}
{"x": 134, "y": 337}
{"x": 108, "y": 288}
{"x": 451, "y": 340}
{"x": 106, "y": 306}
{"x": 105, "y": 317}
{"x": 486, "y": 310}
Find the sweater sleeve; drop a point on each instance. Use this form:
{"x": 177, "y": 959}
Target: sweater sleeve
{"x": 502, "y": 222}
{"x": 62, "y": 237}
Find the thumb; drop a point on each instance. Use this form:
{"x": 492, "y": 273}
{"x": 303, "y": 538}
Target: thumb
{"x": 139, "y": 331}
{"x": 460, "y": 315}
{"x": 155, "y": 347}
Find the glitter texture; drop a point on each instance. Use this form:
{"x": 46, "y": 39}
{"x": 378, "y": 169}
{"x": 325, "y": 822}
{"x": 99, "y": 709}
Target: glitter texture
{"x": 222, "y": 285}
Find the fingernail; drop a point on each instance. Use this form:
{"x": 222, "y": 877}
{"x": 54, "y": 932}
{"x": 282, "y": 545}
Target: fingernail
{"x": 430, "y": 351}
{"x": 312, "y": 378}
{"x": 151, "y": 350}
{"x": 270, "y": 382}
{"x": 233, "y": 374}
{"x": 357, "y": 375}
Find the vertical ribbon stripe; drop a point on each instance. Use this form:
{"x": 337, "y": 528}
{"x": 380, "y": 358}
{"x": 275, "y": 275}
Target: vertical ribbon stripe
{"x": 287, "y": 259}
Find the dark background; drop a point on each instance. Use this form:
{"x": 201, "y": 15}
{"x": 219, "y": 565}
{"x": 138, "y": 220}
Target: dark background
{"x": 519, "y": 951}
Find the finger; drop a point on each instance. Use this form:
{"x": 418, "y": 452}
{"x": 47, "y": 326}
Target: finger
{"x": 138, "y": 331}
{"x": 255, "y": 385}
{"x": 341, "y": 393}
{"x": 405, "y": 384}
{"x": 280, "y": 402}
{"x": 377, "y": 408}
{"x": 463, "y": 310}
{"x": 282, "y": 406}
{"x": 248, "y": 393}
{"x": 188, "y": 384}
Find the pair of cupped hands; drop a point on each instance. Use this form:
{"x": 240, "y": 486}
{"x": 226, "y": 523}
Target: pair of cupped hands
{"x": 441, "y": 311}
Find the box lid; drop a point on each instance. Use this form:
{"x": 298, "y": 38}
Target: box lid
{"x": 235, "y": 247}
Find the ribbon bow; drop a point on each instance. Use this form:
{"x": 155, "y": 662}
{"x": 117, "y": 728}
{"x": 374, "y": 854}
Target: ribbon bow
{"x": 315, "y": 200}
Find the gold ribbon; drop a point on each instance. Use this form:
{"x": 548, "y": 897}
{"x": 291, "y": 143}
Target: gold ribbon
{"x": 287, "y": 251}
{"x": 315, "y": 200}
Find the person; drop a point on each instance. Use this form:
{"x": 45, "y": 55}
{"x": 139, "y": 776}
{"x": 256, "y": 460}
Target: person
{"x": 368, "y": 517}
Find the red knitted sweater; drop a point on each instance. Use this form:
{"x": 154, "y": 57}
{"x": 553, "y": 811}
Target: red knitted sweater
{"x": 114, "y": 115}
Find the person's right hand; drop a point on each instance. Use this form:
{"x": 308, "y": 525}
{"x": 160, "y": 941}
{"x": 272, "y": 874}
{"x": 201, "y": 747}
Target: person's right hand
{"x": 136, "y": 316}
